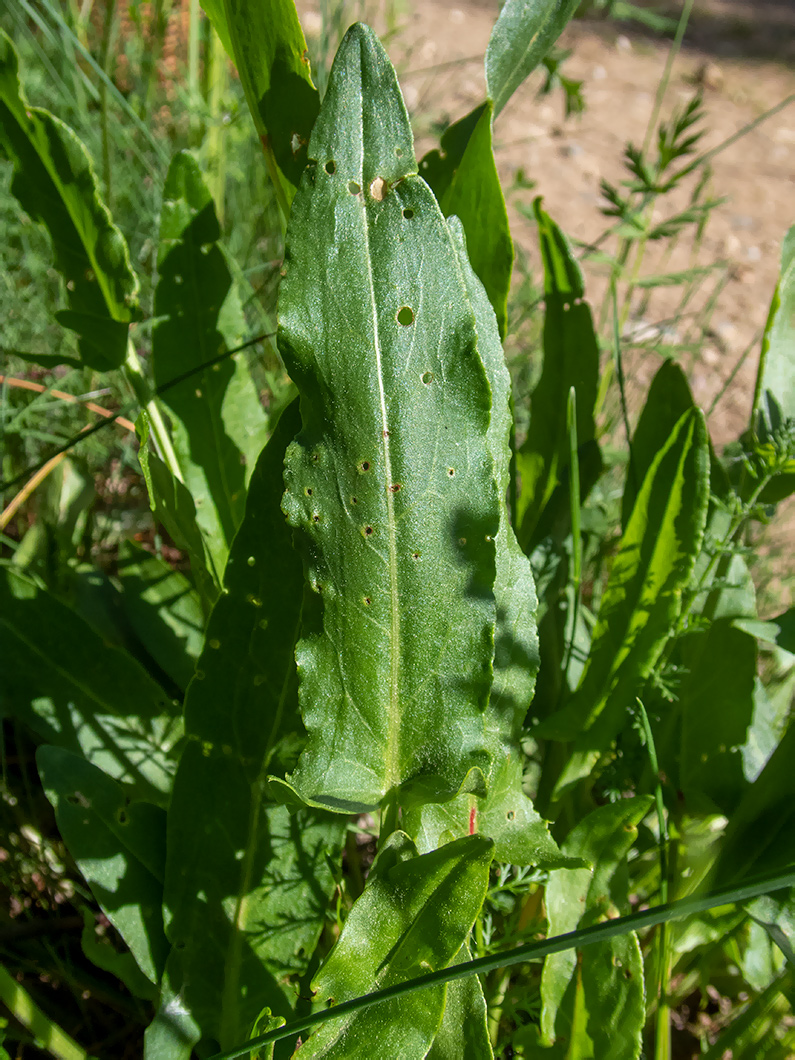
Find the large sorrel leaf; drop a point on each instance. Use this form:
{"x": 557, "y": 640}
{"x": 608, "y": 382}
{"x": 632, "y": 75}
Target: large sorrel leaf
{"x": 390, "y": 482}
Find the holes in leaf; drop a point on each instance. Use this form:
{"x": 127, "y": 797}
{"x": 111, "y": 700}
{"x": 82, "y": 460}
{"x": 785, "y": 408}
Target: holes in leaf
{"x": 451, "y": 472}
{"x": 462, "y": 541}
{"x": 367, "y": 601}
{"x": 308, "y": 491}
{"x": 315, "y": 517}
{"x": 398, "y": 152}
{"x": 427, "y": 377}
{"x": 122, "y": 817}
{"x": 510, "y": 815}
{"x": 408, "y": 213}
{"x": 353, "y": 187}
{"x": 415, "y": 555}
{"x": 378, "y": 189}
{"x": 330, "y": 167}
{"x": 315, "y": 457}
{"x": 365, "y": 465}
{"x": 354, "y": 500}
{"x": 368, "y": 531}
{"x": 405, "y": 316}
{"x": 395, "y": 487}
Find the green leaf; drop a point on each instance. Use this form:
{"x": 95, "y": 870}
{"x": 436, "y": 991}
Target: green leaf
{"x": 265, "y": 41}
{"x": 505, "y": 814}
{"x": 716, "y": 703}
{"x": 218, "y": 424}
{"x": 438, "y": 166}
{"x": 475, "y": 197}
{"x": 643, "y": 596}
{"x": 389, "y": 483}
{"x": 571, "y": 359}
{"x": 593, "y": 1001}
{"x": 55, "y": 184}
{"x": 776, "y": 378}
{"x": 424, "y": 907}
{"x": 100, "y": 950}
{"x": 163, "y": 609}
{"x": 523, "y": 34}
{"x": 119, "y": 847}
{"x": 246, "y": 883}
{"x": 760, "y": 836}
{"x": 79, "y": 693}
{"x": 463, "y": 1034}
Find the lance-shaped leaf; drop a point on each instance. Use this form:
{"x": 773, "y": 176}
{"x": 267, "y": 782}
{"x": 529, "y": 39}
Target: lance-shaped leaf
{"x": 390, "y": 480}
{"x": 475, "y": 196}
{"x": 56, "y": 185}
{"x": 424, "y": 908}
{"x": 505, "y": 814}
{"x": 265, "y": 41}
{"x": 218, "y": 424}
{"x": 593, "y": 1002}
{"x": 77, "y": 692}
{"x": 119, "y": 847}
{"x": 523, "y": 34}
{"x": 463, "y": 1034}
{"x": 643, "y": 595}
{"x": 715, "y": 701}
{"x": 571, "y": 359}
{"x": 246, "y": 883}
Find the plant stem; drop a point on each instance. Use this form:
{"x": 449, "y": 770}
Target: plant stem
{"x": 662, "y": 87}
{"x": 134, "y": 374}
{"x": 106, "y": 61}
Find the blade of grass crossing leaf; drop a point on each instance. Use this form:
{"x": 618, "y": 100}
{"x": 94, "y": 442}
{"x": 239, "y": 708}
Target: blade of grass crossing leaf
{"x": 524, "y": 32}
{"x": 395, "y": 516}
{"x": 594, "y": 1000}
{"x": 588, "y": 936}
{"x": 424, "y": 907}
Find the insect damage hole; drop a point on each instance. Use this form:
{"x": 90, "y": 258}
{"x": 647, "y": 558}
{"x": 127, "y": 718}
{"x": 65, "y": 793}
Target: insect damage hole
{"x": 330, "y": 167}
{"x": 353, "y": 187}
{"x": 378, "y": 189}
{"x": 367, "y": 531}
{"x": 427, "y": 377}
{"x": 364, "y": 465}
{"x": 405, "y": 316}
{"x": 408, "y": 213}
{"x": 451, "y": 472}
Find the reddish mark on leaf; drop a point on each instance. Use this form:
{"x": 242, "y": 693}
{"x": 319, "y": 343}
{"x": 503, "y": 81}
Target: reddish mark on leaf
{"x": 473, "y": 816}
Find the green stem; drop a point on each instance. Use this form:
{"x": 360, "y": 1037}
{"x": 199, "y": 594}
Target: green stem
{"x": 48, "y": 1035}
{"x": 134, "y": 374}
{"x": 106, "y": 61}
{"x": 662, "y": 87}
{"x": 521, "y": 954}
